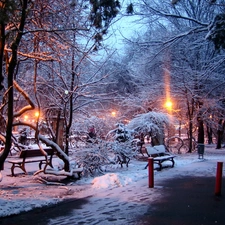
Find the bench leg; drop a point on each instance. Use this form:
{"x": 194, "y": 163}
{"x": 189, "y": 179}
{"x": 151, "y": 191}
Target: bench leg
{"x": 79, "y": 175}
{"x": 127, "y": 161}
{"x": 160, "y": 166}
{"x": 173, "y": 162}
{"x": 12, "y": 169}
{"x": 20, "y": 165}
{"x": 49, "y": 162}
{"x": 120, "y": 161}
{"x": 40, "y": 164}
{"x": 159, "y": 162}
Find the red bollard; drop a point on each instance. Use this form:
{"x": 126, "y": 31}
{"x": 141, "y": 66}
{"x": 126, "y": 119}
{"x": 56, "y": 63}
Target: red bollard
{"x": 150, "y": 172}
{"x": 219, "y": 178}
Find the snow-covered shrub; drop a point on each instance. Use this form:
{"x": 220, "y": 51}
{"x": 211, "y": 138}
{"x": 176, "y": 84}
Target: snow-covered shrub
{"x": 152, "y": 124}
{"x": 95, "y": 160}
{"x": 119, "y": 147}
{"x": 123, "y": 151}
{"x": 120, "y": 133}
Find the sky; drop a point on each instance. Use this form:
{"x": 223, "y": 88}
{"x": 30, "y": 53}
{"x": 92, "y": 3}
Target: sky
{"x": 117, "y": 190}
{"x": 124, "y": 27}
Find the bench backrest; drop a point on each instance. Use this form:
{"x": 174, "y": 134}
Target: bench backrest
{"x": 35, "y": 152}
{"x": 155, "y": 150}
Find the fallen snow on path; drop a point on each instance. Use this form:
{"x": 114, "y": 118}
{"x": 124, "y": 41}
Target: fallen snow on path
{"x": 26, "y": 192}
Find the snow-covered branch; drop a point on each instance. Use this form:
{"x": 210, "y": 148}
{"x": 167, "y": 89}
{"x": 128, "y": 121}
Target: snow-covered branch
{"x": 165, "y": 14}
{"x": 56, "y": 30}
{"x": 27, "y": 98}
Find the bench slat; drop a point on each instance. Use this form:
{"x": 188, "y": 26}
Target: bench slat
{"x": 27, "y": 160}
{"x": 163, "y": 157}
{"x": 35, "y": 152}
{"x": 156, "y": 149}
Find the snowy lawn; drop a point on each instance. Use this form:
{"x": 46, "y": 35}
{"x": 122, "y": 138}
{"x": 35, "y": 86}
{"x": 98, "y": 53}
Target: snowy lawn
{"x": 26, "y": 192}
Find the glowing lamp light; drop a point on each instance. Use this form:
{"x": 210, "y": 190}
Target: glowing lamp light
{"x": 169, "y": 105}
{"x": 36, "y": 114}
{"x": 25, "y": 117}
{"x": 113, "y": 113}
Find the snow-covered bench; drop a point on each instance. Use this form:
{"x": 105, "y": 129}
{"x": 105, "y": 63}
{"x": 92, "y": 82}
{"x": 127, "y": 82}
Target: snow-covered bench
{"x": 159, "y": 155}
{"x": 31, "y": 156}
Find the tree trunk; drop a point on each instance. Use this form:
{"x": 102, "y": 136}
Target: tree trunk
{"x": 11, "y": 68}
{"x": 219, "y": 134}
{"x": 190, "y": 136}
{"x": 200, "y": 131}
{"x": 2, "y": 44}
{"x": 209, "y": 135}
{"x": 67, "y": 147}
{"x": 70, "y": 120}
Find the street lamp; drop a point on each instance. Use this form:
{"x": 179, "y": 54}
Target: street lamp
{"x": 25, "y": 117}
{"x": 169, "y": 105}
{"x": 113, "y": 113}
{"x": 37, "y": 114}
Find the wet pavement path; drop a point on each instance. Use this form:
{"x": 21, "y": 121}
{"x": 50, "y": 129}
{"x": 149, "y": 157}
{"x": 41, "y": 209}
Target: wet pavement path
{"x": 185, "y": 200}
{"x": 43, "y": 215}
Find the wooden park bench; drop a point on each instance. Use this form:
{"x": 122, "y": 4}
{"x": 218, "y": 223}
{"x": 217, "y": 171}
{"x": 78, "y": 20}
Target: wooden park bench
{"x": 159, "y": 155}
{"x": 31, "y": 156}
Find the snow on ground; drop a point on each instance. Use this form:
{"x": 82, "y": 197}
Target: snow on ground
{"x": 26, "y": 192}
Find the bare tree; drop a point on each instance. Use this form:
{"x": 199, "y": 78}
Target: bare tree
{"x": 33, "y": 34}
{"x": 176, "y": 44}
